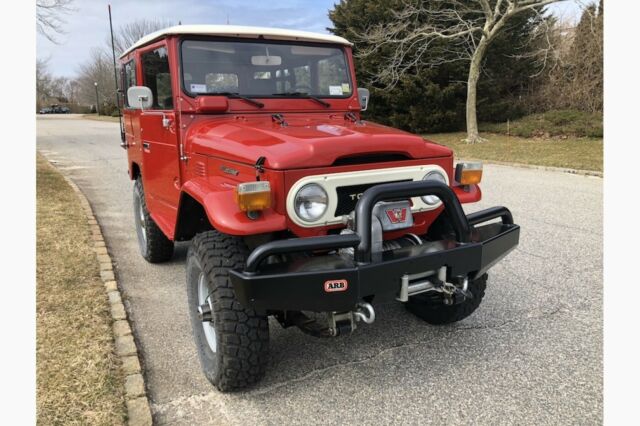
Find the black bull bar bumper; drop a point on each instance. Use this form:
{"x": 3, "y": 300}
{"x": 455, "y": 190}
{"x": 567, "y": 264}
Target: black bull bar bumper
{"x": 334, "y": 282}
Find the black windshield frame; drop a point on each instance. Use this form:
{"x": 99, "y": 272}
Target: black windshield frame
{"x": 266, "y": 41}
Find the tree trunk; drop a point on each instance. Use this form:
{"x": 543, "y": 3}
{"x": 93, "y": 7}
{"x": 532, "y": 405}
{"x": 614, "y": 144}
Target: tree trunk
{"x": 473, "y": 135}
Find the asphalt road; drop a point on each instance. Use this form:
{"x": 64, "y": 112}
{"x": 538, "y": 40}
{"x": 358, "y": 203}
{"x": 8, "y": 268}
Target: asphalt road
{"x": 531, "y": 354}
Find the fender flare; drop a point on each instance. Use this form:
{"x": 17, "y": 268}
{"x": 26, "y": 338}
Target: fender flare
{"x": 218, "y": 201}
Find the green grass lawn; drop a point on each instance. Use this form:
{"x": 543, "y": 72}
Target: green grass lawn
{"x": 572, "y": 152}
{"x": 562, "y": 123}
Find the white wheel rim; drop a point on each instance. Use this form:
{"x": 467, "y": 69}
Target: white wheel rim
{"x": 207, "y": 326}
{"x": 143, "y": 230}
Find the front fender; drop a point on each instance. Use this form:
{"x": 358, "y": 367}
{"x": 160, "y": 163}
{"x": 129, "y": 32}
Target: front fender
{"x": 218, "y": 200}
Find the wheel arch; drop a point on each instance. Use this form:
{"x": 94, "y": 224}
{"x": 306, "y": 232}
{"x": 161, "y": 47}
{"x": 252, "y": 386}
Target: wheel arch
{"x": 192, "y": 218}
{"x": 205, "y": 206}
{"x": 134, "y": 170}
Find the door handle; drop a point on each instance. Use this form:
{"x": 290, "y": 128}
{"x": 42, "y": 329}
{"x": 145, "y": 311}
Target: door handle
{"x": 146, "y": 146}
{"x": 166, "y": 121}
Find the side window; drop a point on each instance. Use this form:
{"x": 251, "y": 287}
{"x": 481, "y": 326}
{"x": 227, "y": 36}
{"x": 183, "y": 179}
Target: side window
{"x": 129, "y": 78}
{"x": 155, "y": 70}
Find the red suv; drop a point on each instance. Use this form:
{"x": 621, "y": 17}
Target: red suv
{"x": 250, "y": 143}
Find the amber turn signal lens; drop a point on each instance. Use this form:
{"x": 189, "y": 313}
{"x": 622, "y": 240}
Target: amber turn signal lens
{"x": 253, "y": 196}
{"x": 468, "y": 173}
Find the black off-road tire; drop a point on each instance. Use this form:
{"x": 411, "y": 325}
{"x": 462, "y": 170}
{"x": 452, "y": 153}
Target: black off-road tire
{"x": 430, "y": 308}
{"x": 241, "y": 335}
{"x": 155, "y": 247}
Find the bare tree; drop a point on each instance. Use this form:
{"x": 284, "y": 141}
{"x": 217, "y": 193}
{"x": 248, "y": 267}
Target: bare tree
{"x": 129, "y": 33}
{"x": 70, "y": 91}
{"x": 51, "y": 89}
{"x": 573, "y": 75}
{"x": 48, "y": 17}
{"x": 98, "y": 68}
{"x": 459, "y": 29}
{"x": 43, "y": 82}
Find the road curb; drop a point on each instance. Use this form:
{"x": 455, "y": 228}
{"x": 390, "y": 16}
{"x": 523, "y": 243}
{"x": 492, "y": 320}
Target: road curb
{"x": 537, "y": 167}
{"x": 138, "y": 408}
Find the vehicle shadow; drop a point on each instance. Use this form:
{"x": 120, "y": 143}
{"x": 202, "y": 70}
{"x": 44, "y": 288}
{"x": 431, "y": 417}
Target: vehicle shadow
{"x": 295, "y": 356}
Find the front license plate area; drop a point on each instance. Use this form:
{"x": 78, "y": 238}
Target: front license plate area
{"x": 394, "y": 215}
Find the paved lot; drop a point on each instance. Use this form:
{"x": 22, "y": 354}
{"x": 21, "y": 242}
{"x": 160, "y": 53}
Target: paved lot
{"x": 532, "y": 353}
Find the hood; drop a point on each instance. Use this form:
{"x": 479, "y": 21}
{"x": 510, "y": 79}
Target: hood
{"x": 305, "y": 142}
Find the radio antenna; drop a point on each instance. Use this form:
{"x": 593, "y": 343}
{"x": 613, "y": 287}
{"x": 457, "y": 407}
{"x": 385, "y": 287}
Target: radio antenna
{"x": 115, "y": 76}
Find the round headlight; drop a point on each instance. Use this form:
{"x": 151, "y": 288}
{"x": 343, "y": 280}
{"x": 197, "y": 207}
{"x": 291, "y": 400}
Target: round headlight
{"x": 434, "y": 175}
{"x": 311, "y": 202}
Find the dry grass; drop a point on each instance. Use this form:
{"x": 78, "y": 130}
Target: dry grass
{"x": 573, "y": 153}
{"x": 101, "y": 118}
{"x": 78, "y": 380}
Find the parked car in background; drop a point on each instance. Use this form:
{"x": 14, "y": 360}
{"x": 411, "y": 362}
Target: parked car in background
{"x": 57, "y": 109}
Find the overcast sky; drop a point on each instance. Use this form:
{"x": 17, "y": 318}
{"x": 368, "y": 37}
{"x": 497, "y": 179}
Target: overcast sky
{"x": 88, "y": 25}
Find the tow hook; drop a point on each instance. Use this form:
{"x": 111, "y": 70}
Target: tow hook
{"x": 365, "y": 313}
{"x": 338, "y": 323}
{"x": 345, "y": 322}
{"x": 454, "y": 295}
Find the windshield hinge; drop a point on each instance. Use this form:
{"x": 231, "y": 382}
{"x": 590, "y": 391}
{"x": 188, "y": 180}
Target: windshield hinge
{"x": 259, "y": 166}
{"x": 278, "y": 118}
{"x": 351, "y": 117}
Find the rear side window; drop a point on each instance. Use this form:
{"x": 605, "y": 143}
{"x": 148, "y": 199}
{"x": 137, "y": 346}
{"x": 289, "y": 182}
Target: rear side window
{"x": 155, "y": 69}
{"x": 129, "y": 78}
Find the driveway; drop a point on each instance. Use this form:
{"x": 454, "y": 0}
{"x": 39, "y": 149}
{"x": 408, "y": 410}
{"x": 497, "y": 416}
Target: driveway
{"x": 531, "y": 354}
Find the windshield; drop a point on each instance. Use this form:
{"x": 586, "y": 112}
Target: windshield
{"x": 259, "y": 69}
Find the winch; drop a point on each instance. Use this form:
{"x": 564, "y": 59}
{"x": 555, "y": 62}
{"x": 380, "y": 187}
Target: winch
{"x": 395, "y": 215}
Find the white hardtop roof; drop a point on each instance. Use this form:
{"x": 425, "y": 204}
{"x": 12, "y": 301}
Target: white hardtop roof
{"x": 238, "y": 31}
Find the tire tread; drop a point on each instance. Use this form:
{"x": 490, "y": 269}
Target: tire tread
{"x": 158, "y": 248}
{"x": 243, "y": 334}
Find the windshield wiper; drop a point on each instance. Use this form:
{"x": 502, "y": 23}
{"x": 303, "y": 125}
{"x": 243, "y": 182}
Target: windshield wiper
{"x": 305, "y": 96}
{"x": 237, "y": 95}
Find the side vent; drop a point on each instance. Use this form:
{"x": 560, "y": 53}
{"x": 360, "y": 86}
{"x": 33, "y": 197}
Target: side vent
{"x": 200, "y": 169}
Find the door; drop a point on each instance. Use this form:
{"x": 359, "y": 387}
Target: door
{"x": 160, "y": 154}
{"x": 130, "y": 115}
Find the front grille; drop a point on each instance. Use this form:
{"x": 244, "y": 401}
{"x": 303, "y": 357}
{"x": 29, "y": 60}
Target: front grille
{"x": 348, "y": 196}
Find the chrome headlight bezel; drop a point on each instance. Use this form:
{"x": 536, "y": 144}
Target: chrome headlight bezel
{"x": 432, "y": 200}
{"x": 320, "y": 198}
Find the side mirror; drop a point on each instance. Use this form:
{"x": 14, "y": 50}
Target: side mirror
{"x": 363, "y": 97}
{"x": 139, "y": 97}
